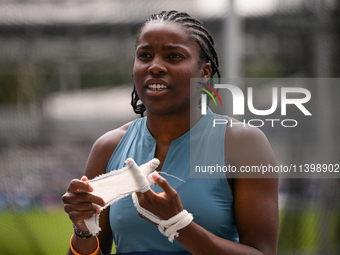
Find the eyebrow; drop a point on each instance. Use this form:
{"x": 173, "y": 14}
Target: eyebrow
{"x": 144, "y": 47}
{"x": 167, "y": 47}
{"x": 173, "y": 47}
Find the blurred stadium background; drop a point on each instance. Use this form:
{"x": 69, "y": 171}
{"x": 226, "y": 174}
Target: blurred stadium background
{"x": 65, "y": 79}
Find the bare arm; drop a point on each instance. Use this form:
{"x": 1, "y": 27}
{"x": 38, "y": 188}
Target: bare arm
{"x": 78, "y": 201}
{"x": 255, "y": 202}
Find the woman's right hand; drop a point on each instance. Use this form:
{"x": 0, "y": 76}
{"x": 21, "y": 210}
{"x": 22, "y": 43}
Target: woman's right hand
{"x": 79, "y": 202}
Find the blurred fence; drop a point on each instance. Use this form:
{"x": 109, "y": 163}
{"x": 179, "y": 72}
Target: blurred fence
{"x": 62, "y": 64}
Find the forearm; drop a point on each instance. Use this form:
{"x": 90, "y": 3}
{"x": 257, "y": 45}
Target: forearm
{"x": 199, "y": 241}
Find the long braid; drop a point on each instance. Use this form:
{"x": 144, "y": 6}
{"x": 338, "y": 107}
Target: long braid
{"x": 197, "y": 32}
{"x": 138, "y": 108}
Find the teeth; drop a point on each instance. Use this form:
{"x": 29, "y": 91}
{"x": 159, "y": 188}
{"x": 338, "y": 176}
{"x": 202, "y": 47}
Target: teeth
{"x": 157, "y": 87}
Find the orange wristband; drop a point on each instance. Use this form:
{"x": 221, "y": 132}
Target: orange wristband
{"x": 77, "y": 253}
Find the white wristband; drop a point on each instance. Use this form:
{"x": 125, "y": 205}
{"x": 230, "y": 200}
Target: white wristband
{"x": 169, "y": 227}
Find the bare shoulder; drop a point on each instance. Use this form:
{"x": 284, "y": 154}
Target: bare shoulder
{"x": 102, "y": 150}
{"x": 246, "y": 145}
{"x": 111, "y": 139}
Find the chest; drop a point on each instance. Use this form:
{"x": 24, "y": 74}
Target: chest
{"x": 160, "y": 153}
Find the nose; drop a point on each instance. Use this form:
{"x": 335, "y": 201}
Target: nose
{"x": 157, "y": 67}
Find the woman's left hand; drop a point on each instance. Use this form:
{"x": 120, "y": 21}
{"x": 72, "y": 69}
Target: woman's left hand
{"x": 165, "y": 204}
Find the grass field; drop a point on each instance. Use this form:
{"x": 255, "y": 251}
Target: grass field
{"x": 40, "y": 232}
{"x": 34, "y": 232}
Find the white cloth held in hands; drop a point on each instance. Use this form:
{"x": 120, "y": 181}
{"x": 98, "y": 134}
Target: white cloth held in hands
{"x": 120, "y": 183}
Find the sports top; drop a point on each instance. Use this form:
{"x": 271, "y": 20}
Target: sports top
{"x": 208, "y": 199}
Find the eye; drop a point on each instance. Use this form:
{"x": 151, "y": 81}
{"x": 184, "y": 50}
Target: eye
{"x": 175, "y": 55}
{"x": 144, "y": 55}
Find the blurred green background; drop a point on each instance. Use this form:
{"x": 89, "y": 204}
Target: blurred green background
{"x": 48, "y": 232}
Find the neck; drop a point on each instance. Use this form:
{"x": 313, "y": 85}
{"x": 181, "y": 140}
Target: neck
{"x": 168, "y": 127}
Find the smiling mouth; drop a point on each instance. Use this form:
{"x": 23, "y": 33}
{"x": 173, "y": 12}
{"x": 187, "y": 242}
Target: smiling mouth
{"x": 157, "y": 87}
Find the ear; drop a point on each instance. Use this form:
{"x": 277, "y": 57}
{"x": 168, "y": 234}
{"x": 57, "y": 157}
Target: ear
{"x": 206, "y": 71}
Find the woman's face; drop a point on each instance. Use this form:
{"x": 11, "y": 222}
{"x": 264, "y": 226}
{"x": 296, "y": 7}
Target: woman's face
{"x": 165, "y": 61}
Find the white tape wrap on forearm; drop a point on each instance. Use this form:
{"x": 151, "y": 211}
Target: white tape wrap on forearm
{"x": 120, "y": 183}
{"x": 169, "y": 227}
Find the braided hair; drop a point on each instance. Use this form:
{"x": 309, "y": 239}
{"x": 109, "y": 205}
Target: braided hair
{"x": 196, "y": 31}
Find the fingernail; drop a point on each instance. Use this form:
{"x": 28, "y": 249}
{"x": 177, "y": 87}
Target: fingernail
{"x": 155, "y": 176}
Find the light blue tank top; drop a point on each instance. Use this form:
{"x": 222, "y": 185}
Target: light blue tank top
{"x": 208, "y": 199}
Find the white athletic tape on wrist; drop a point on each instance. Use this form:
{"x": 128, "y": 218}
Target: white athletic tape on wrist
{"x": 169, "y": 227}
{"x": 120, "y": 183}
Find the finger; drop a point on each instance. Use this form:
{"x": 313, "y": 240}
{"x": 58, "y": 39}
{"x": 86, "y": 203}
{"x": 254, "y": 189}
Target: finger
{"x": 150, "y": 192}
{"x": 79, "y": 212}
{"x": 163, "y": 184}
{"x": 76, "y": 216}
{"x": 96, "y": 209}
{"x": 89, "y": 198}
{"x": 75, "y": 198}
{"x": 146, "y": 195}
{"x": 79, "y": 186}
{"x": 84, "y": 178}
{"x": 80, "y": 207}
